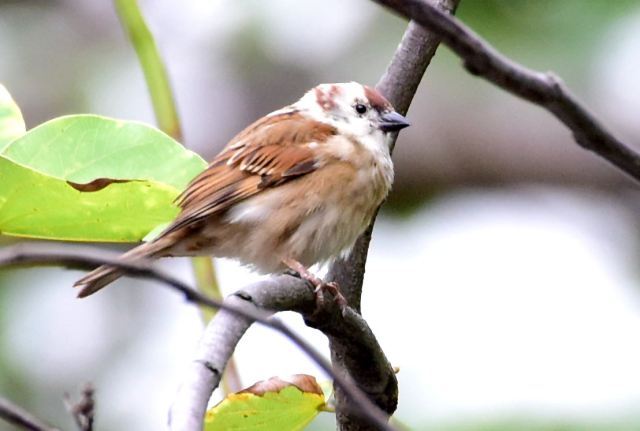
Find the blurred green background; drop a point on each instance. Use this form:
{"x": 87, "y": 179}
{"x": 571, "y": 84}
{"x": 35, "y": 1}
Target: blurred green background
{"x": 503, "y": 275}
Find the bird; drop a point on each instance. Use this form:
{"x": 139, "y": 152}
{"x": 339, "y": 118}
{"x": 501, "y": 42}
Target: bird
{"x": 295, "y": 188}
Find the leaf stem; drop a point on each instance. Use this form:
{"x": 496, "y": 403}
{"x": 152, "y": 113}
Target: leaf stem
{"x": 207, "y": 282}
{"x": 153, "y": 68}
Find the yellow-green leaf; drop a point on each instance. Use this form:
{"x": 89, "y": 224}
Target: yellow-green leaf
{"x": 92, "y": 178}
{"x": 11, "y": 122}
{"x": 82, "y": 148}
{"x": 272, "y": 405}
{"x": 36, "y": 205}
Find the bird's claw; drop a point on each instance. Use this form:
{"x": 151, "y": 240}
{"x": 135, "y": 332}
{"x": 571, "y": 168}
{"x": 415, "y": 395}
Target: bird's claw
{"x": 333, "y": 289}
{"x": 319, "y": 286}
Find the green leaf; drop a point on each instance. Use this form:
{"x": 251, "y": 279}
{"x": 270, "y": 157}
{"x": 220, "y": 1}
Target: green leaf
{"x": 11, "y": 122}
{"x": 273, "y": 404}
{"x": 82, "y": 148}
{"x": 36, "y": 205}
{"x": 91, "y": 178}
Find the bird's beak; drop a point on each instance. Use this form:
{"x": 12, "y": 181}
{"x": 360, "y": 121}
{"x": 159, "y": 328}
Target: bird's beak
{"x": 392, "y": 122}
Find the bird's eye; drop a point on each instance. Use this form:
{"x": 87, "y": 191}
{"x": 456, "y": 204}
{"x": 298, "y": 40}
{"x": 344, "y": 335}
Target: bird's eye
{"x": 360, "y": 108}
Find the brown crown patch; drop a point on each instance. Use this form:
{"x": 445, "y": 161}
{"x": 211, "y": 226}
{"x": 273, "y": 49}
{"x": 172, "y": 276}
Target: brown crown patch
{"x": 376, "y": 99}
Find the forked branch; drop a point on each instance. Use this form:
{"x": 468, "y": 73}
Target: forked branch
{"x": 85, "y": 258}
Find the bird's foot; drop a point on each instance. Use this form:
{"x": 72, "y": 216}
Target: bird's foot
{"x": 319, "y": 286}
{"x": 333, "y": 288}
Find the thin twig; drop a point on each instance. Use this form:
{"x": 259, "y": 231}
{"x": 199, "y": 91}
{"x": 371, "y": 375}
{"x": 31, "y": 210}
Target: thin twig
{"x": 83, "y": 257}
{"x": 543, "y": 89}
{"x": 19, "y": 417}
{"x": 82, "y": 411}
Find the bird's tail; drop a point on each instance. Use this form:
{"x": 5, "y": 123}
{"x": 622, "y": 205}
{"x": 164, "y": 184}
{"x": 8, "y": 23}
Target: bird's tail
{"x": 105, "y": 274}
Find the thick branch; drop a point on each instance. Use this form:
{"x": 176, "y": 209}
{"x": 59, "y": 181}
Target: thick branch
{"x": 21, "y": 418}
{"x": 544, "y": 89}
{"x": 399, "y": 84}
{"x": 219, "y": 342}
{"x": 82, "y": 257}
{"x": 283, "y": 293}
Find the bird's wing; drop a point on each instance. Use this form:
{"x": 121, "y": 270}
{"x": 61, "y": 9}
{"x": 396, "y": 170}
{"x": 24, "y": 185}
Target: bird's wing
{"x": 271, "y": 151}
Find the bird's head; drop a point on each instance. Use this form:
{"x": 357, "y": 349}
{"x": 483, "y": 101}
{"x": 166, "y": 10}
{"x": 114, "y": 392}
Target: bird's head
{"x": 352, "y": 108}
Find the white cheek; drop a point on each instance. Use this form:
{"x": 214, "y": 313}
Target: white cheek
{"x": 357, "y": 127}
{"x": 376, "y": 142}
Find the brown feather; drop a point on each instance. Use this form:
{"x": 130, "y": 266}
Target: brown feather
{"x": 105, "y": 274}
{"x": 268, "y": 153}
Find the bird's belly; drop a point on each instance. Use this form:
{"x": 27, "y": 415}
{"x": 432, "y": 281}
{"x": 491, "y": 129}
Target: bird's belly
{"x": 308, "y": 224}
{"x": 329, "y": 231}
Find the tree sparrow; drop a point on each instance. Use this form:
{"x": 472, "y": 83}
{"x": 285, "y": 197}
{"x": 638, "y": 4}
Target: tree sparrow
{"x": 295, "y": 188}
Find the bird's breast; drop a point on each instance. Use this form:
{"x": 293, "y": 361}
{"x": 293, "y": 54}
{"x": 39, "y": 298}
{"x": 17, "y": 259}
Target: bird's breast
{"x": 311, "y": 219}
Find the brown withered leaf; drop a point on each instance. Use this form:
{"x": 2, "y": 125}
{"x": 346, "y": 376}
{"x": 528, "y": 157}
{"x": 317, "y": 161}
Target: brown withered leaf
{"x": 304, "y": 382}
{"x": 97, "y": 184}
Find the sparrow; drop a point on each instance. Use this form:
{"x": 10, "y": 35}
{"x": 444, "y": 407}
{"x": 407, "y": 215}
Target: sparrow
{"x": 295, "y": 188}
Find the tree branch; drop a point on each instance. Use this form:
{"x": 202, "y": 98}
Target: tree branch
{"x": 543, "y": 89}
{"x": 21, "y": 418}
{"x": 374, "y": 375}
{"x": 218, "y": 343}
{"x": 85, "y": 258}
{"x": 282, "y": 293}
